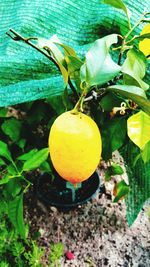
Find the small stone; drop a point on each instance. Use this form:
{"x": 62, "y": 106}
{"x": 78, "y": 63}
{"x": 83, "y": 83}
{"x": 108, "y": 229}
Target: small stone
{"x": 53, "y": 209}
{"x": 41, "y": 231}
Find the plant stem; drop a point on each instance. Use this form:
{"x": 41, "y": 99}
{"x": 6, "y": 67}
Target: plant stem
{"x": 15, "y": 166}
{"x": 18, "y": 37}
{"x": 121, "y": 52}
{"x": 129, "y": 23}
{"x": 133, "y": 28}
{"x": 125, "y": 42}
{"x": 79, "y": 105}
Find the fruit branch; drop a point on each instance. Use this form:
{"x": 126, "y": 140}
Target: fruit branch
{"x": 124, "y": 41}
{"x": 17, "y": 37}
{"x": 79, "y": 105}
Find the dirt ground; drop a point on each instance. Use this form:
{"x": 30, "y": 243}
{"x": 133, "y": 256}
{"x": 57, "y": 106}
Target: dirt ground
{"x": 96, "y": 233}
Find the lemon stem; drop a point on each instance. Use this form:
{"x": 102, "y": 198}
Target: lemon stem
{"x": 79, "y": 105}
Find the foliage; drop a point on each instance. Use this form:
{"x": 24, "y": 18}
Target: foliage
{"x": 15, "y": 183}
{"x": 106, "y": 79}
{"x": 114, "y": 169}
{"x": 34, "y": 256}
{"x": 13, "y": 250}
{"x": 110, "y": 83}
{"x": 121, "y": 189}
{"x": 139, "y": 129}
{"x": 16, "y": 162}
{"x": 57, "y": 250}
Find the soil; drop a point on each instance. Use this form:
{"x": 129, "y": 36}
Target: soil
{"x": 96, "y": 233}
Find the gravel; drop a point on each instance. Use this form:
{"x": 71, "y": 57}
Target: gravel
{"x": 96, "y": 233}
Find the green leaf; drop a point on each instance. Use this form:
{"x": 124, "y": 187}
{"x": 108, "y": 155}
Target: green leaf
{"x": 99, "y": 67}
{"x": 67, "y": 49}
{"x": 109, "y": 101}
{"x": 3, "y": 112}
{"x": 21, "y": 143}
{"x": 135, "y": 68}
{"x": 143, "y": 36}
{"x": 114, "y": 169}
{"x": 55, "y": 52}
{"x": 27, "y": 155}
{"x": 136, "y": 94}
{"x": 4, "y": 264}
{"x": 108, "y": 174}
{"x": 114, "y": 135}
{"x": 2, "y": 162}
{"x": 120, "y": 5}
{"x": 66, "y": 100}
{"x": 74, "y": 64}
{"x": 57, "y": 251}
{"x": 45, "y": 167}
{"x": 64, "y": 73}
{"x": 5, "y": 179}
{"x": 12, "y": 128}
{"x": 139, "y": 129}
{"x": 57, "y": 104}
{"x": 4, "y": 151}
{"x": 11, "y": 170}
{"x": 122, "y": 190}
{"x": 37, "y": 113}
{"x": 15, "y": 214}
{"x": 145, "y": 153}
{"x": 13, "y": 187}
{"x": 17, "y": 249}
{"x": 38, "y": 158}
{"x": 117, "y": 4}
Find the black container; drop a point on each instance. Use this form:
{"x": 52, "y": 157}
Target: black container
{"x": 54, "y": 192}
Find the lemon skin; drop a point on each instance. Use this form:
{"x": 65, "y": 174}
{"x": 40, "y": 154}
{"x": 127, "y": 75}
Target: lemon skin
{"x": 144, "y": 45}
{"x": 75, "y": 146}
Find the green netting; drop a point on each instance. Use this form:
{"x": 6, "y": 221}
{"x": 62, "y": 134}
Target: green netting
{"x": 26, "y": 75}
{"x": 139, "y": 180}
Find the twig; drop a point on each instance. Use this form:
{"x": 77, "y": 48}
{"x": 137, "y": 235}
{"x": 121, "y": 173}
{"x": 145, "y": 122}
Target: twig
{"x": 124, "y": 42}
{"x": 17, "y": 37}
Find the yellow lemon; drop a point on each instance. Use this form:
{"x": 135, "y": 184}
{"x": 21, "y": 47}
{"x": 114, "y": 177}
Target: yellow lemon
{"x": 75, "y": 146}
{"x": 144, "y": 45}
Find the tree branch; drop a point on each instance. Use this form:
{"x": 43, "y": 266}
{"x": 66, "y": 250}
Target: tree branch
{"x": 17, "y": 37}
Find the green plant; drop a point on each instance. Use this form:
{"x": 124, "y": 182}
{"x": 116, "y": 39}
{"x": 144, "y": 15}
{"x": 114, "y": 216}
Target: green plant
{"x": 19, "y": 157}
{"x": 15, "y": 251}
{"x": 111, "y": 80}
{"x": 4, "y": 264}
{"x": 14, "y": 182}
{"x": 56, "y": 252}
{"x": 34, "y": 255}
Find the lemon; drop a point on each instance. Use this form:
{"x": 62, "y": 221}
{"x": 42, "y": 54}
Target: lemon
{"x": 144, "y": 45}
{"x": 75, "y": 146}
